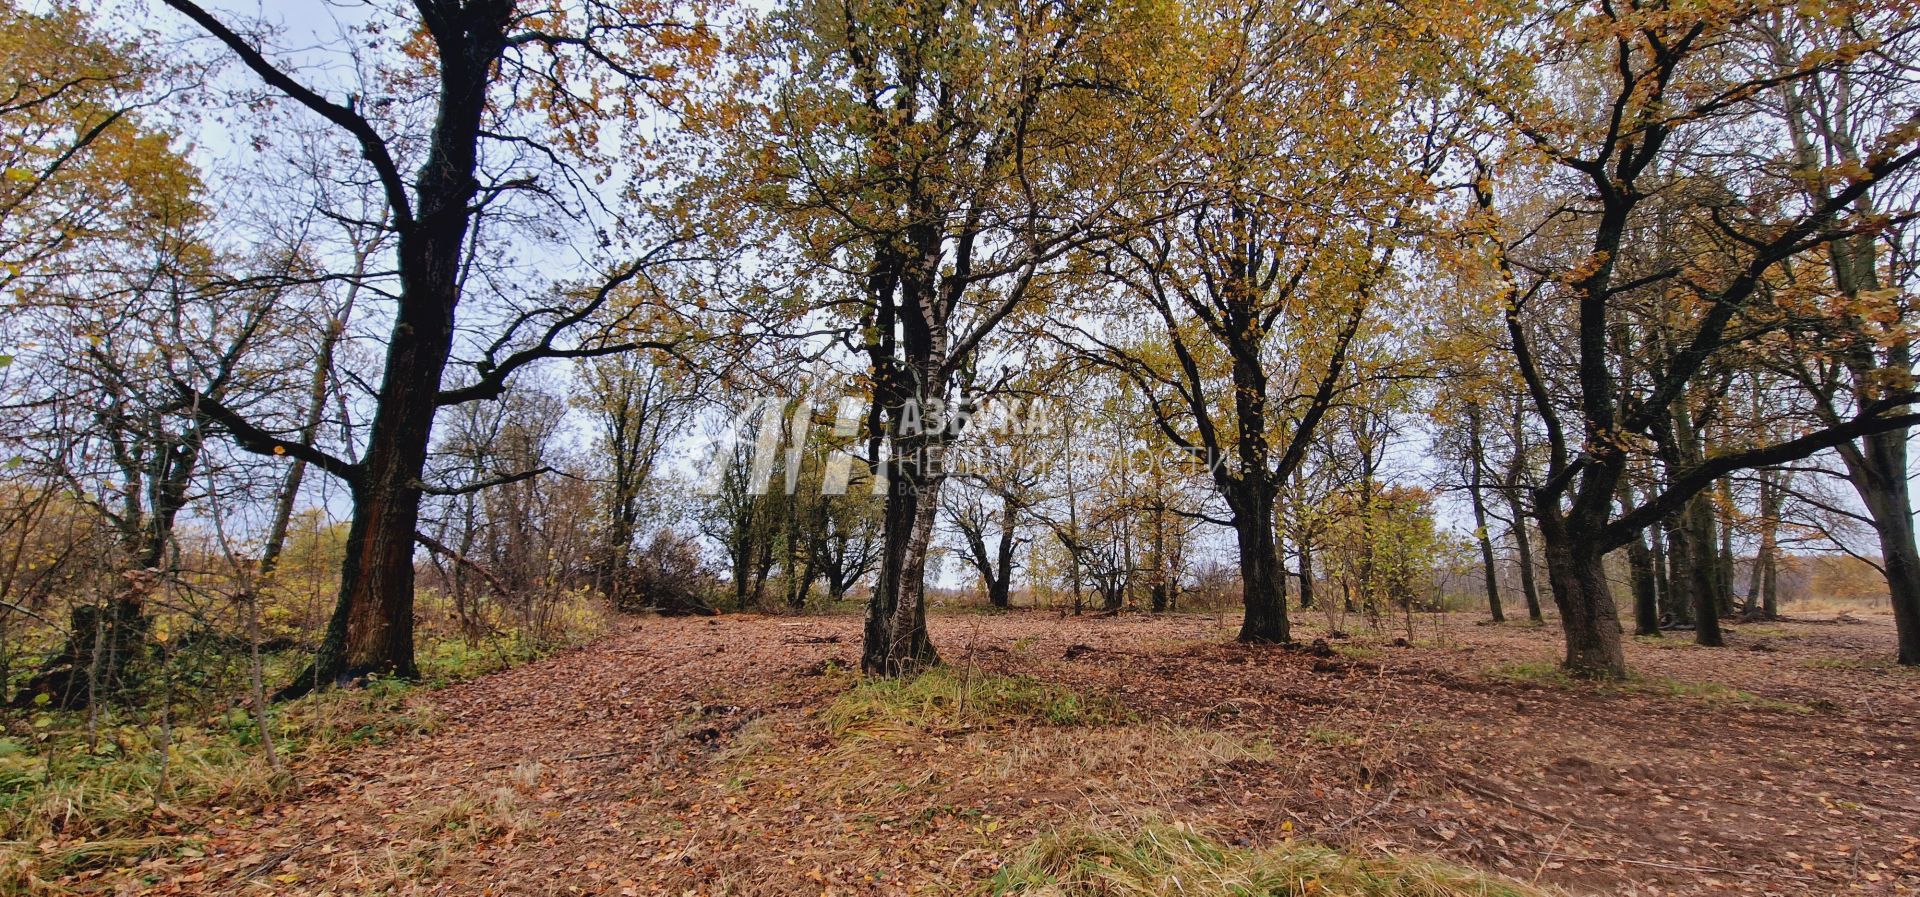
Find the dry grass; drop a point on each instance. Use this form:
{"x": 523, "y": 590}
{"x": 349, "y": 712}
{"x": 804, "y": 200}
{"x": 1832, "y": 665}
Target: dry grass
{"x": 64, "y": 808}
{"x": 1158, "y": 860}
{"x": 947, "y": 699}
{"x": 1833, "y": 607}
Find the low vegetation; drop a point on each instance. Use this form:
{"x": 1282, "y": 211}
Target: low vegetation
{"x": 949, "y": 698}
{"x": 79, "y": 791}
{"x": 1162, "y": 860}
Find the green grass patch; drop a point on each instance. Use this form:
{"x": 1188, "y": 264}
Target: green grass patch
{"x": 946, "y": 698}
{"x": 1552, "y": 675}
{"x": 1331, "y": 737}
{"x": 1164, "y": 860}
{"x": 1533, "y": 672}
{"x": 1859, "y": 665}
{"x": 1709, "y": 693}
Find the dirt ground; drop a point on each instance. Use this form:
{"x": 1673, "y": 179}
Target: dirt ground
{"x": 690, "y": 756}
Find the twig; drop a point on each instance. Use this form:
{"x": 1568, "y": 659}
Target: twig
{"x": 1677, "y": 867}
{"x": 1547, "y": 856}
{"x": 593, "y": 756}
{"x": 271, "y": 863}
{"x": 1363, "y": 814}
{"x": 1515, "y": 802}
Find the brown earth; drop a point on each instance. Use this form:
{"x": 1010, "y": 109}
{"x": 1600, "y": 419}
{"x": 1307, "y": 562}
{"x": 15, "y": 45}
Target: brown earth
{"x": 688, "y": 756}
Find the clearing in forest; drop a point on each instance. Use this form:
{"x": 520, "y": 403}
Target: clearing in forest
{"x": 739, "y": 755}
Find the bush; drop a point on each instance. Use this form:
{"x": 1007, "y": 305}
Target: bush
{"x": 670, "y": 577}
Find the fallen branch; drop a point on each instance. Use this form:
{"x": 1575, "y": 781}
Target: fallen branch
{"x": 1515, "y": 802}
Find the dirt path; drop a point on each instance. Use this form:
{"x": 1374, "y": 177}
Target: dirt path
{"x": 687, "y": 756}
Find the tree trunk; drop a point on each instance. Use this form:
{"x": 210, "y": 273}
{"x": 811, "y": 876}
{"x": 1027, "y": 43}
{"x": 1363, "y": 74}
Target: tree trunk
{"x": 1879, "y": 467}
{"x": 1486, "y": 554}
{"x": 1306, "y": 572}
{"x": 1770, "y": 591}
{"x": 1477, "y": 464}
{"x": 1523, "y": 543}
{"x": 1588, "y": 617}
{"x": 371, "y": 632}
{"x": 1646, "y": 594}
{"x": 1703, "y": 578}
{"x": 317, "y": 390}
{"x": 1723, "y": 567}
{"x": 1262, "y": 580}
{"x": 1760, "y": 579}
{"x": 1670, "y": 554}
{"x": 896, "y": 641}
{"x": 1000, "y": 592}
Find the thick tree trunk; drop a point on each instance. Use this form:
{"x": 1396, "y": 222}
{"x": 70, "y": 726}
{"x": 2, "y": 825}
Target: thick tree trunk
{"x": 1262, "y": 580}
{"x": 998, "y": 594}
{"x": 1588, "y": 617}
{"x": 371, "y": 632}
{"x": 896, "y": 641}
{"x": 1703, "y": 579}
{"x": 1000, "y": 590}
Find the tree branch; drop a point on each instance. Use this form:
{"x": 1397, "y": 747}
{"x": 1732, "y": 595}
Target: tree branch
{"x": 372, "y": 146}
{"x": 482, "y": 485}
{"x": 261, "y": 442}
{"x": 1695, "y": 480}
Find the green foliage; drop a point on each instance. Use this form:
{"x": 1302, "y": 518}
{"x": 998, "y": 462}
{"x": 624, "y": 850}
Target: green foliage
{"x": 1384, "y": 544}
{"x": 945, "y": 698}
{"x": 1159, "y": 860}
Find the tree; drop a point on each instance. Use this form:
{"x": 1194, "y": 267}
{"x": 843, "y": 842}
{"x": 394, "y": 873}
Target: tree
{"x": 1859, "y": 353}
{"x": 1632, "y": 107}
{"x": 635, "y": 406}
{"x": 78, "y": 162}
{"x": 1257, "y": 281}
{"x": 936, "y": 162}
{"x": 495, "y": 74}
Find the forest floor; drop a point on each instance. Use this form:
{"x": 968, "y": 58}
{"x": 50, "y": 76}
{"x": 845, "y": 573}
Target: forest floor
{"x": 737, "y": 755}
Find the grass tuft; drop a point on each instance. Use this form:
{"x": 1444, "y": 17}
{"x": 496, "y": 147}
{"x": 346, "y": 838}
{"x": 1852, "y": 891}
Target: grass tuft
{"x": 943, "y": 698}
{"x": 1159, "y": 860}
{"x": 1538, "y": 672}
